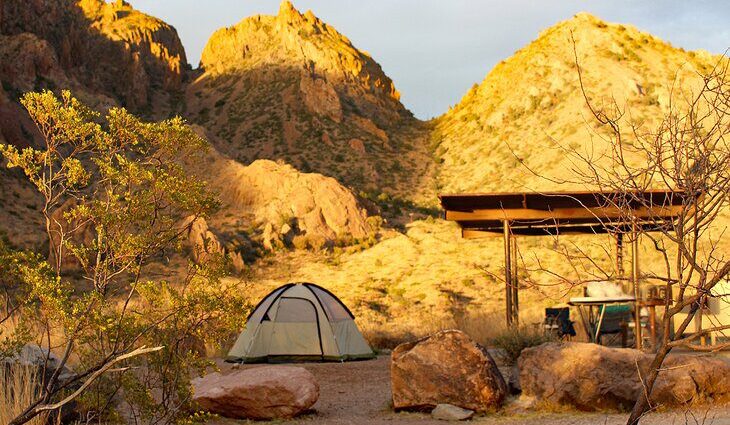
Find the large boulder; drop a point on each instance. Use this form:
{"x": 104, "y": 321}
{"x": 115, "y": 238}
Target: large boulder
{"x": 447, "y": 367}
{"x": 260, "y": 393}
{"x": 593, "y": 377}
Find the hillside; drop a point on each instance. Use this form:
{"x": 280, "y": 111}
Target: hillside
{"x": 106, "y": 53}
{"x": 530, "y": 105}
{"x": 290, "y": 87}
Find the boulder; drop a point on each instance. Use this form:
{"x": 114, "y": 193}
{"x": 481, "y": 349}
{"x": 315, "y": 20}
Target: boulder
{"x": 31, "y": 355}
{"x": 260, "y": 393}
{"x": 447, "y": 367}
{"x": 449, "y": 412}
{"x": 593, "y": 377}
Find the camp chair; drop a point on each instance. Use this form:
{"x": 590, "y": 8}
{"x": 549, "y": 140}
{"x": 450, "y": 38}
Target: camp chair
{"x": 557, "y": 321}
{"x": 615, "y": 323}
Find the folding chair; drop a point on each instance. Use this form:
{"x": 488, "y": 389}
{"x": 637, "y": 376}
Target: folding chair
{"x": 557, "y": 321}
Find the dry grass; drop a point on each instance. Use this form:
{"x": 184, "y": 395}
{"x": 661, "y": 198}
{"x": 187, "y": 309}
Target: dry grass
{"x": 513, "y": 340}
{"x": 483, "y": 328}
{"x": 19, "y": 385}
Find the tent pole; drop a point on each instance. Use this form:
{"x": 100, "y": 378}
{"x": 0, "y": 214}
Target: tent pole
{"x": 508, "y": 271}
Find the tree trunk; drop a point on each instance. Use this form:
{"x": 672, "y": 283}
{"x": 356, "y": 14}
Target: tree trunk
{"x": 642, "y": 404}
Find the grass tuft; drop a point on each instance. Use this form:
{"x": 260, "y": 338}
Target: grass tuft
{"x": 19, "y": 386}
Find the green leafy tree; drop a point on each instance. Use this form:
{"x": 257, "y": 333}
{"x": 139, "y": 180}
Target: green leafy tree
{"x": 116, "y": 201}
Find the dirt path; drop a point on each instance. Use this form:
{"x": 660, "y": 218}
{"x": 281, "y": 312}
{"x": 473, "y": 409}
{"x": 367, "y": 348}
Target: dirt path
{"x": 356, "y": 393}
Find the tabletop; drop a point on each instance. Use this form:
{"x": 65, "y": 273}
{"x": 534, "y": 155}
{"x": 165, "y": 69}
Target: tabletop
{"x": 601, "y": 300}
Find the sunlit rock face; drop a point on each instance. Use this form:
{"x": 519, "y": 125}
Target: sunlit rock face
{"x": 109, "y": 51}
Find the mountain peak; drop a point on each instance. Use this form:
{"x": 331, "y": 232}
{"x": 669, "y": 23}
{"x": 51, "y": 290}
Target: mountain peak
{"x": 319, "y": 92}
{"x": 298, "y": 41}
{"x": 585, "y": 16}
{"x": 289, "y": 14}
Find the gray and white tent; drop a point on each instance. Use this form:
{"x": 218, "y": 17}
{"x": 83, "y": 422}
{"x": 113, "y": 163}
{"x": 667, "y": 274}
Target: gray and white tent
{"x": 300, "y": 321}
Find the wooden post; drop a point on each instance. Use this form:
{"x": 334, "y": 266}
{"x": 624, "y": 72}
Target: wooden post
{"x": 515, "y": 283}
{"x": 508, "y": 272}
{"x": 620, "y": 254}
{"x": 698, "y": 322}
{"x": 635, "y": 281}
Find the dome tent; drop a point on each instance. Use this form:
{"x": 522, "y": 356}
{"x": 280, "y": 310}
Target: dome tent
{"x": 300, "y": 321}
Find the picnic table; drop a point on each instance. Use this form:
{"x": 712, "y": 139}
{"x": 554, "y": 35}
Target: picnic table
{"x": 592, "y": 310}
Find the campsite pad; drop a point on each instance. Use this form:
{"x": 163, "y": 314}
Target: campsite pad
{"x": 358, "y": 393}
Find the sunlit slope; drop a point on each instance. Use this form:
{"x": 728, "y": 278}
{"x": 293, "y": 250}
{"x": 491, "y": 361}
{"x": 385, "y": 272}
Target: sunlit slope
{"x": 511, "y": 132}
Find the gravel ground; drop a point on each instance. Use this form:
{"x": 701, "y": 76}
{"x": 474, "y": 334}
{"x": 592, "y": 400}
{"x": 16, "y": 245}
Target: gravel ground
{"x": 355, "y": 393}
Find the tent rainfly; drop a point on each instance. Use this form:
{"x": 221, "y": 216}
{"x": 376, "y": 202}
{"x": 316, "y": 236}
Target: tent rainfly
{"x": 300, "y": 321}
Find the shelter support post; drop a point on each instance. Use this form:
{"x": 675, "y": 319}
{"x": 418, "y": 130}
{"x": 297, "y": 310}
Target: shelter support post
{"x": 635, "y": 282}
{"x": 510, "y": 276}
{"x": 515, "y": 283}
{"x": 508, "y": 273}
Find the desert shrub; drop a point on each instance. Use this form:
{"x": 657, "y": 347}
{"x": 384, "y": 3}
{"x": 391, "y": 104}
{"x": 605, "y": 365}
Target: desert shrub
{"x": 515, "y": 339}
{"x": 116, "y": 198}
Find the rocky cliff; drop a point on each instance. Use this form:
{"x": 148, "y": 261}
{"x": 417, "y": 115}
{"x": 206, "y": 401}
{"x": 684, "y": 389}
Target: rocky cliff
{"x": 108, "y": 52}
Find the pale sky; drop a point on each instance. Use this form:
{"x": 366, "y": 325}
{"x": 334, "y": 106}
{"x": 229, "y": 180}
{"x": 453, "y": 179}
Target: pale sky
{"x": 434, "y": 50}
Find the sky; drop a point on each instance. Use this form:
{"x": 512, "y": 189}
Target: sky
{"x": 434, "y": 50}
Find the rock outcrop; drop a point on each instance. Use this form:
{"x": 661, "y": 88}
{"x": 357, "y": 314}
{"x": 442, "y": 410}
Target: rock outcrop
{"x": 593, "y": 377}
{"x": 311, "y": 204}
{"x": 261, "y": 393}
{"x": 287, "y": 207}
{"x": 445, "y": 368}
{"x": 205, "y": 243}
{"x": 149, "y": 53}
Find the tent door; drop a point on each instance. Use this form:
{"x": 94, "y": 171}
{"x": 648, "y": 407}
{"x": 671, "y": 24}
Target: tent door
{"x": 296, "y": 330}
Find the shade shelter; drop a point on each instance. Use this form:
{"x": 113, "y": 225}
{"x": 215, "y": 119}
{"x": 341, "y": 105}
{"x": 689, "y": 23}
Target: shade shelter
{"x": 552, "y": 213}
{"x": 300, "y": 321}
